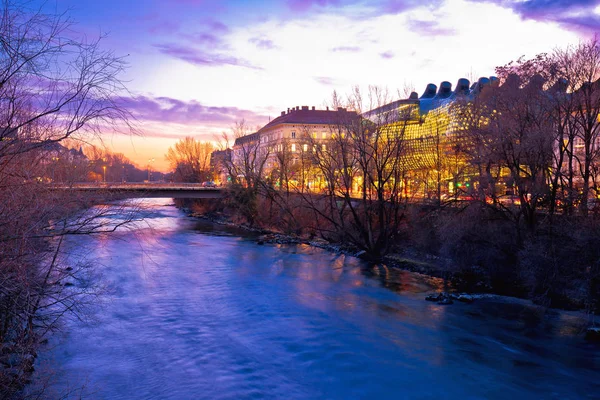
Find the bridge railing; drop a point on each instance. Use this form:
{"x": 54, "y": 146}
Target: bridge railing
{"x": 133, "y": 185}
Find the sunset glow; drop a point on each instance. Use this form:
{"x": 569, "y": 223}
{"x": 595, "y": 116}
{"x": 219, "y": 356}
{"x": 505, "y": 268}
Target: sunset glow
{"x": 198, "y": 66}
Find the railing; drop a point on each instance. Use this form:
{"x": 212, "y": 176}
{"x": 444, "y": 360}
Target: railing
{"x": 137, "y": 185}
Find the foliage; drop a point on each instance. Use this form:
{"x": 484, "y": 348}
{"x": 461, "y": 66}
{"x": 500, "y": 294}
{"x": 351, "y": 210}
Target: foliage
{"x": 190, "y": 160}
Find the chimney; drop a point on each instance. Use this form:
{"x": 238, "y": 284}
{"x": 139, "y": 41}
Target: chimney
{"x": 282, "y": 113}
{"x": 304, "y": 108}
{"x": 297, "y": 108}
{"x": 313, "y": 108}
{"x": 341, "y": 109}
{"x": 288, "y": 110}
{"x": 327, "y": 108}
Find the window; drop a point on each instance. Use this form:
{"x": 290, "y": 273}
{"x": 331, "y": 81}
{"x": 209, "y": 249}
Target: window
{"x": 293, "y": 144}
{"x": 314, "y": 135}
{"x": 305, "y": 147}
{"x": 323, "y": 135}
{"x": 293, "y": 134}
{"x": 323, "y": 147}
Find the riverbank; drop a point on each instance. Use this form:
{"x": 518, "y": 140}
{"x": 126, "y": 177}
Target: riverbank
{"x": 38, "y": 290}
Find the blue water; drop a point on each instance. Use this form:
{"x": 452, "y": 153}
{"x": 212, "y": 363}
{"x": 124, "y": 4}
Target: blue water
{"x": 194, "y": 311}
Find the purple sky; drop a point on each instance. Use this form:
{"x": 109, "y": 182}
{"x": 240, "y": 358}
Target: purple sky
{"x": 197, "y": 66}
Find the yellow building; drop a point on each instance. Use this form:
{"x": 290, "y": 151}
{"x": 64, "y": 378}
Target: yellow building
{"x": 430, "y": 128}
{"x": 284, "y": 146}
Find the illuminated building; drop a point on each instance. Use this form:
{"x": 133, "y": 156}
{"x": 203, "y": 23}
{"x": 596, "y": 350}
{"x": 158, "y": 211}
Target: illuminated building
{"x": 430, "y": 128}
{"x": 219, "y": 160}
{"x": 287, "y": 141}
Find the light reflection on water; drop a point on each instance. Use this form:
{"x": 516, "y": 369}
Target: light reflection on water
{"x": 197, "y": 311}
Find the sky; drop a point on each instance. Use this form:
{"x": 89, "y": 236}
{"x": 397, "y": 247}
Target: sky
{"x": 198, "y": 66}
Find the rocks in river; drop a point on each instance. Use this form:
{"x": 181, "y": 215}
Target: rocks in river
{"x": 448, "y": 298}
{"x": 277, "y": 239}
{"x": 593, "y": 334}
{"x": 433, "y": 297}
{"x": 440, "y": 298}
{"x": 465, "y": 298}
{"x": 445, "y": 301}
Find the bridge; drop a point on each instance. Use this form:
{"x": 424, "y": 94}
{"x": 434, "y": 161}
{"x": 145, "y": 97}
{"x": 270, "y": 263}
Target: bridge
{"x": 148, "y": 190}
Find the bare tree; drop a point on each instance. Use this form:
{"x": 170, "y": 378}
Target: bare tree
{"x": 580, "y": 68}
{"x": 53, "y": 86}
{"x": 364, "y": 169}
{"x": 190, "y": 160}
{"x": 246, "y": 169}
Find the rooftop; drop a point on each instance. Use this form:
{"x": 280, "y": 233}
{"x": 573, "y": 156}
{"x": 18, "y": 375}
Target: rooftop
{"x": 311, "y": 116}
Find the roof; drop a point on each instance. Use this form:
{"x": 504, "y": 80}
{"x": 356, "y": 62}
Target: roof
{"x": 433, "y": 97}
{"x": 253, "y": 137}
{"x": 306, "y": 116}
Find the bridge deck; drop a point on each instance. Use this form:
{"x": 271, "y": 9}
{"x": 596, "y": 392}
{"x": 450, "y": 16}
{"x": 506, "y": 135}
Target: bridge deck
{"x": 150, "y": 190}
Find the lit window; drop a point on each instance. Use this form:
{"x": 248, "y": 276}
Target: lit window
{"x": 314, "y": 135}
{"x": 305, "y": 147}
{"x": 293, "y": 144}
{"x": 323, "y": 147}
{"x": 324, "y": 135}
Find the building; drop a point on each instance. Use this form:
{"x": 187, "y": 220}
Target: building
{"x": 219, "y": 162}
{"x": 280, "y": 149}
{"x": 430, "y": 127}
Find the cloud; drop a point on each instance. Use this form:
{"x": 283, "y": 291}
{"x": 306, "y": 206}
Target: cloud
{"x": 401, "y": 6}
{"x": 203, "y": 58}
{"x": 348, "y": 49}
{"x": 170, "y": 110}
{"x": 325, "y": 80}
{"x": 204, "y": 39}
{"x": 216, "y": 26}
{"x": 429, "y": 28}
{"x": 305, "y": 5}
{"x": 387, "y": 55}
{"x": 262, "y": 43}
{"x": 576, "y": 15}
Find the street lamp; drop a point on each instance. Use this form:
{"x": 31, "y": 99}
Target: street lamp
{"x": 104, "y": 169}
{"x": 149, "y": 161}
{"x": 55, "y": 161}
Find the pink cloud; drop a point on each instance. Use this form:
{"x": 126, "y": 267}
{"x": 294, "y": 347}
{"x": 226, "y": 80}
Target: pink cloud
{"x": 170, "y": 110}
{"x": 204, "y": 58}
{"x": 304, "y": 5}
{"x": 576, "y": 15}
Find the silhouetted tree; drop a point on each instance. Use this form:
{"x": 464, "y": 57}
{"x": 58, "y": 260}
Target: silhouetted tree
{"x": 190, "y": 160}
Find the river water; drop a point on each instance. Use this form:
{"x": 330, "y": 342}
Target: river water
{"x": 196, "y": 311}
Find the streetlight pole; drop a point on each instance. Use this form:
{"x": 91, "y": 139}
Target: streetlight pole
{"x": 149, "y": 161}
{"x": 104, "y": 169}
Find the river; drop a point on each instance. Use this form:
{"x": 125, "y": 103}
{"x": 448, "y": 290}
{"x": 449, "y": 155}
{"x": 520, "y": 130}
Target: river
{"x": 196, "y": 311}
